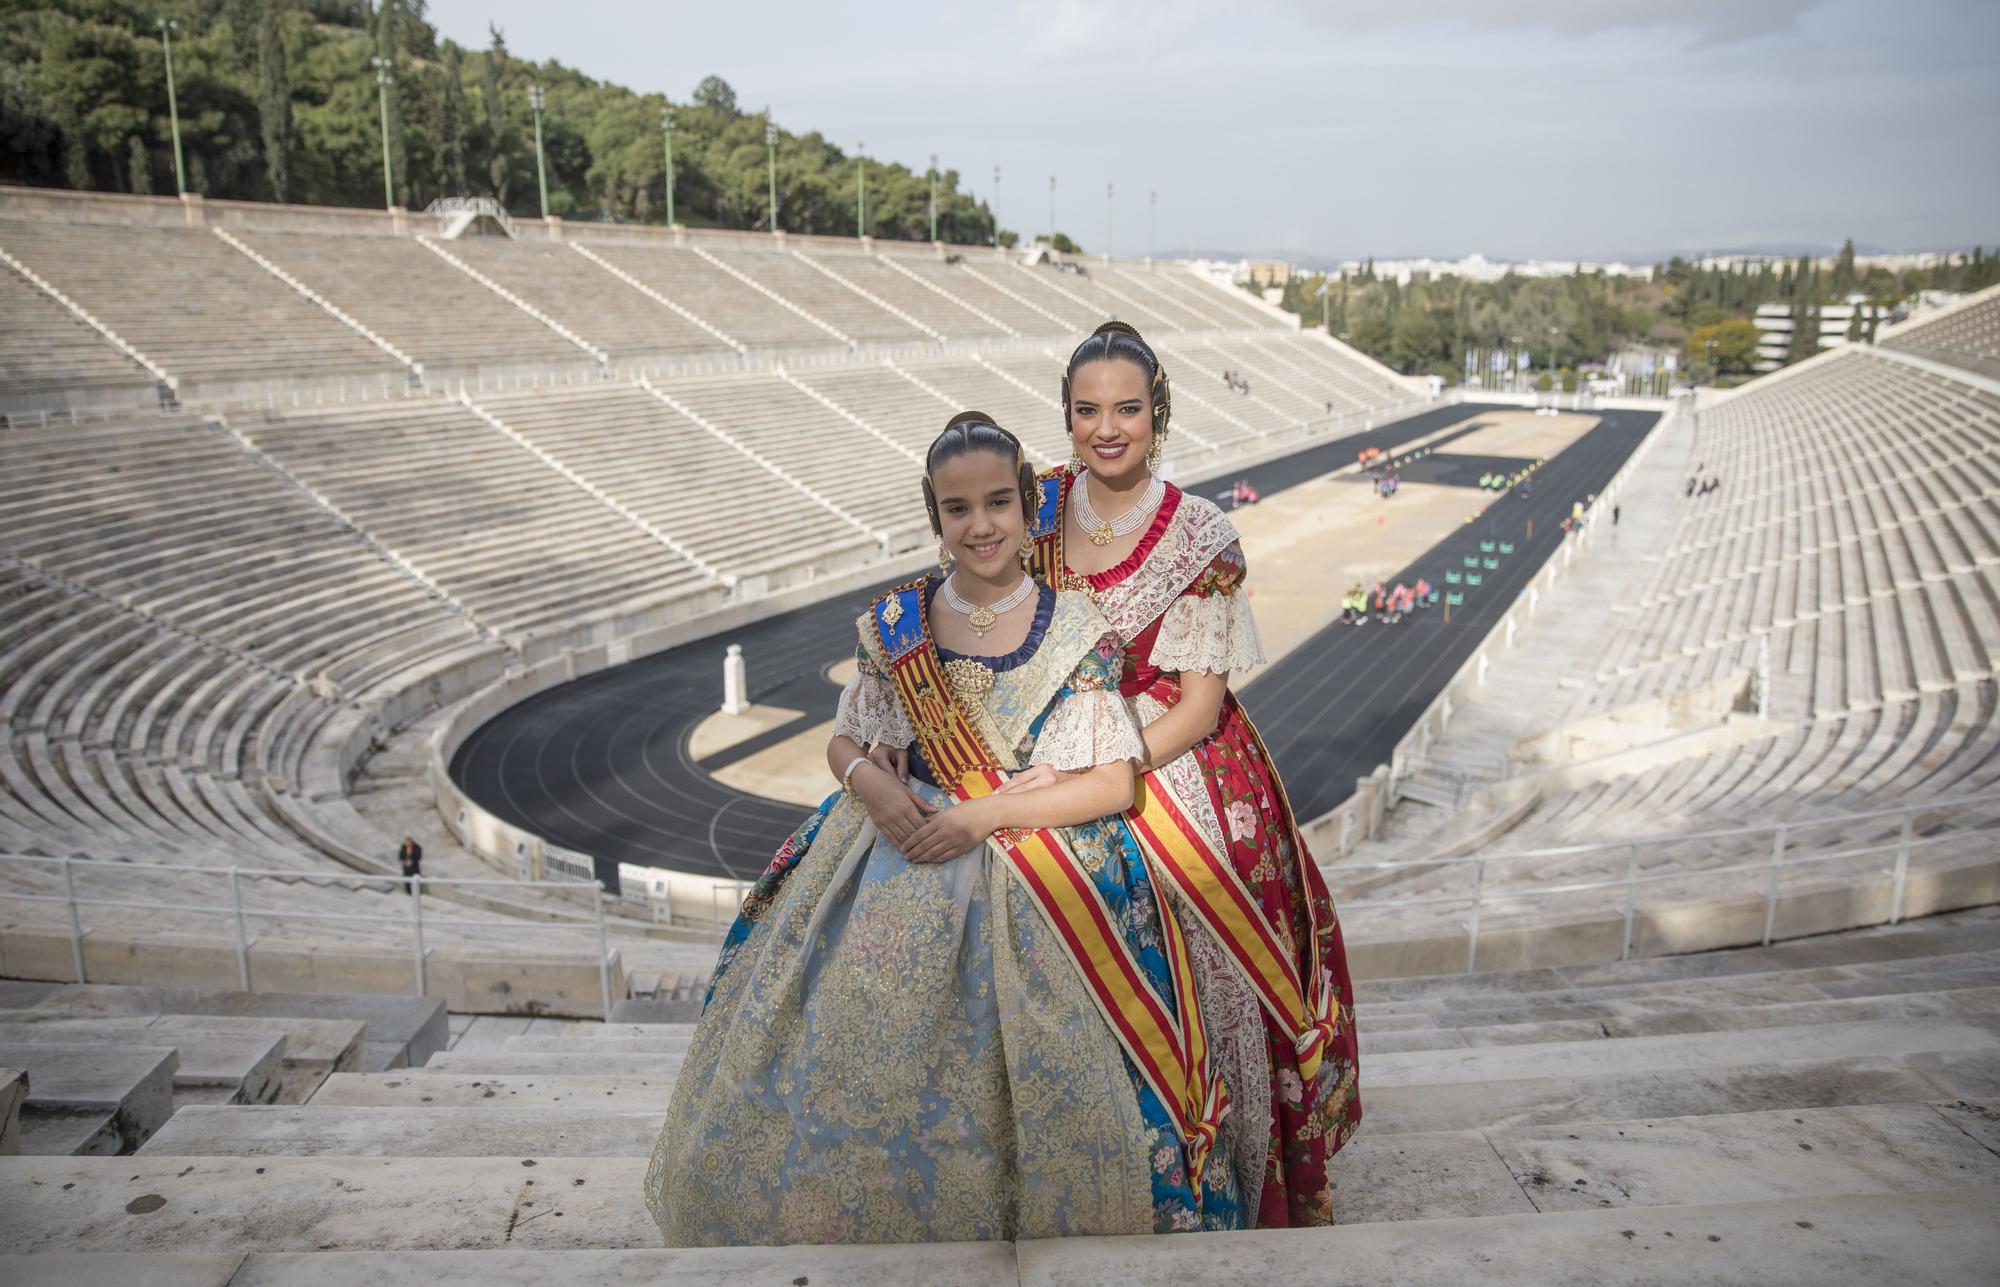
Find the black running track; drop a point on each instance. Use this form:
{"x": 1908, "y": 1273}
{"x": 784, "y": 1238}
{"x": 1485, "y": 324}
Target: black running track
{"x": 601, "y": 764}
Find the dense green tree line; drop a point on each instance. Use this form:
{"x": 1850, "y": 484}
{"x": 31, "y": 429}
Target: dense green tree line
{"x": 1425, "y": 327}
{"x": 278, "y": 101}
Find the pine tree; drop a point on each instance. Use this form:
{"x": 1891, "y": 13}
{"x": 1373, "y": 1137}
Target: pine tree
{"x": 388, "y": 40}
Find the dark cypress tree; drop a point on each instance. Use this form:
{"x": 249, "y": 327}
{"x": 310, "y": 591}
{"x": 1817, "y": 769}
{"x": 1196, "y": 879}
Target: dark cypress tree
{"x": 274, "y": 99}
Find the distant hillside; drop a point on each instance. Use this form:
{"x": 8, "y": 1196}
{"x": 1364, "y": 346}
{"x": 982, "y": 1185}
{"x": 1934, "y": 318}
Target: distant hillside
{"x": 278, "y": 101}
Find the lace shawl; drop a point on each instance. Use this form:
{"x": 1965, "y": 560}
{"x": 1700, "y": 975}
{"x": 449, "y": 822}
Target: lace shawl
{"x": 869, "y": 711}
{"x": 1091, "y": 724}
{"x": 1210, "y": 627}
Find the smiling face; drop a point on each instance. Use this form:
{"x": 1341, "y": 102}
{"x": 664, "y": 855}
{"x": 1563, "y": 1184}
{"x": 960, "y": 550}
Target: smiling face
{"x": 1111, "y": 418}
{"x": 979, "y": 512}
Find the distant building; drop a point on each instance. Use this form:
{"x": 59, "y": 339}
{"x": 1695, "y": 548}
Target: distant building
{"x": 1268, "y": 272}
{"x": 1774, "y": 329}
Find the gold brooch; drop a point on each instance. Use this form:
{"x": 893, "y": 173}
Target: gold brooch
{"x": 892, "y": 611}
{"x": 969, "y": 679}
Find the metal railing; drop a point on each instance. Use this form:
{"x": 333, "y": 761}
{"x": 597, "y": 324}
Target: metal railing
{"x": 1904, "y": 843}
{"x": 239, "y": 915}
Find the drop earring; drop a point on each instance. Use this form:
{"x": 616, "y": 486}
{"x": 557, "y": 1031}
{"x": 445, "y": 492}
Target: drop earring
{"x": 944, "y": 558}
{"x": 1154, "y": 450}
{"x": 1027, "y": 552}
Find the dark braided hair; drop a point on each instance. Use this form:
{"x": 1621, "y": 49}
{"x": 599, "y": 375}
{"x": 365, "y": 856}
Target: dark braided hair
{"x": 971, "y": 431}
{"x": 1117, "y": 341}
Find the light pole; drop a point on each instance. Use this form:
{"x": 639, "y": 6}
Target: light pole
{"x": 1553, "y": 332}
{"x": 1152, "y": 224}
{"x": 1052, "y": 212}
{"x": 996, "y": 205}
{"x": 382, "y": 82}
{"x": 771, "y": 161}
{"x": 167, "y": 27}
{"x": 667, "y": 134}
{"x": 1107, "y": 223}
{"x": 860, "y": 191}
{"x": 537, "y": 99}
{"x": 933, "y": 198}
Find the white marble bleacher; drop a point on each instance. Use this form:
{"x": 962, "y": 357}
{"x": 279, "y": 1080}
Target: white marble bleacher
{"x": 845, "y": 309}
{"x": 1141, "y": 287}
{"x": 1365, "y": 384}
{"x": 1033, "y": 413}
{"x": 714, "y": 295}
{"x": 1199, "y": 367}
{"x": 814, "y": 445}
{"x": 1231, "y": 306}
{"x": 1768, "y": 1107}
{"x": 200, "y": 309}
{"x": 908, "y": 413}
{"x": 1062, "y": 294}
{"x": 610, "y": 313}
{"x": 881, "y": 277}
{"x": 1850, "y": 539}
{"x": 1966, "y": 337}
{"x": 46, "y": 351}
{"x": 672, "y": 473}
{"x": 442, "y": 317}
{"x": 515, "y": 545}
{"x": 985, "y": 284}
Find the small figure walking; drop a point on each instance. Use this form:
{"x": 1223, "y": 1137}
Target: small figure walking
{"x": 410, "y": 857}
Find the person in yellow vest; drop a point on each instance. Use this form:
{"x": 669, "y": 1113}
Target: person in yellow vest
{"x": 947, "y": 1012}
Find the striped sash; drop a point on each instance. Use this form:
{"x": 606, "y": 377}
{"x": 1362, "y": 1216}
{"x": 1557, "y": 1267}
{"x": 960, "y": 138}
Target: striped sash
{"x": 1167, "y": 1044}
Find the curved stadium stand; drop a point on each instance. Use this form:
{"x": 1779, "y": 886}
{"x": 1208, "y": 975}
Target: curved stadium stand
{"x": 391, "y": 470}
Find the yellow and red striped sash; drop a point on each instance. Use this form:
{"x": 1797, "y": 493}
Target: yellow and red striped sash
{"x": 1169, "y": 1046}
{"x": 1301, "y": 1002}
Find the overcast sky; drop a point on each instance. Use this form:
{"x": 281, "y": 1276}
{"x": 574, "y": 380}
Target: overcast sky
{"x": 1519, "y": 128}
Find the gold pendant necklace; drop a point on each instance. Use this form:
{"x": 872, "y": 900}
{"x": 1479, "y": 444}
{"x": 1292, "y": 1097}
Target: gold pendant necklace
{"x": 1102, "y": 534}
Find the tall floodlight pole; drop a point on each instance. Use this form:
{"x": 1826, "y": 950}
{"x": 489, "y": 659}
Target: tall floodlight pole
{"x": 996, "y": 205}
{"x": 1052, "y": 212}
{"x": 667, "y": 133}
{"x": 1153, "y": 223}
{"x": 860, "y": 191}
{"x": 934, "y": 177}
{"x": 537, "y": 100}
{"x": 382, "y": 82}
{"x": 1107, "y": 223}
{"x": 771, "y": 161}
{"x": 167, "y": 27}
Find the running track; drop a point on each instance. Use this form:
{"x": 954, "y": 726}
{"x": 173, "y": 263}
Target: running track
{"x": 601, "y": 764}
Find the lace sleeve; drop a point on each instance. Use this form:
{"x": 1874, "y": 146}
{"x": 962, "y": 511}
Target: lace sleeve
{"x": 1211, "y": 627}
{"x": 1091, "y": 724}
{"x": 868, "y": 711}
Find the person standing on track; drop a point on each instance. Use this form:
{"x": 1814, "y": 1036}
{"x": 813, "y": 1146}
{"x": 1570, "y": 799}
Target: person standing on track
{"x": 1168, "y": 571}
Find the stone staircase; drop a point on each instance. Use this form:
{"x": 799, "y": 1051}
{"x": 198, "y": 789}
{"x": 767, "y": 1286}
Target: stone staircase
{"x": 1822, "y": 1110}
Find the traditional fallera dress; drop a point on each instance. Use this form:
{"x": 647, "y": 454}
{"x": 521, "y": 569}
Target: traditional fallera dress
{"x": 1220, "y": 834}
{"x": 1004, "y": 1045}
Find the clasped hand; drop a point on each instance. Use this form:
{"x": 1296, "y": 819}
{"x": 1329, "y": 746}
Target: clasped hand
{"x": 923, "y": 832}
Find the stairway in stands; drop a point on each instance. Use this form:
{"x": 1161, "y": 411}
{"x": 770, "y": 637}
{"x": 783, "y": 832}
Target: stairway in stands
{"x": 1824, "y": 1108}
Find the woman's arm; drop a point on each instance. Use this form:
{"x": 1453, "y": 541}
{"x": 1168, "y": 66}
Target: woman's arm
{"x": 891, "y": 805}
{"x": 1190, "y": 720}
{"x": 1078, "y": 797}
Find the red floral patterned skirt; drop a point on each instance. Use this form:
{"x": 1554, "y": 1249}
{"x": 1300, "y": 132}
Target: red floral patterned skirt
{"x": 1308, "y": 1123}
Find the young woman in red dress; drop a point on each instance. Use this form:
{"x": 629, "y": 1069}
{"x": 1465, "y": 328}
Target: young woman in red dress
{"x": 1166, "y": 569}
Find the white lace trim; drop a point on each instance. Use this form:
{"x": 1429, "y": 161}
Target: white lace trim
{"x": 1089, "y": 729}
{"x": 1197, "y": 533}
{"x": 1217, "y": 634}
{"x": 870, "y": 714}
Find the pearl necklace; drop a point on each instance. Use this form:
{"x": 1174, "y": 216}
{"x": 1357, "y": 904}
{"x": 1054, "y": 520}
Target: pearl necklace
{"x": 1102, "y": 532}
{"x": 981, "y": 618}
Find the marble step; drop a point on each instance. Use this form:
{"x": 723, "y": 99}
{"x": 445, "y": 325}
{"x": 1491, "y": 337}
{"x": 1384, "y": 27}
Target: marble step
{"x": 279, "y": 1203}
{"x": 1692, "y": 1050}
{"x": 610, "y": 1093}
{"x": 1915, "y": 974}
{"x": 1975, "y": 930}
{"x": 673, "y": 1041}
{"x": 91, "y": 1099}
{"x": 552, "y": 1062}
{"x": 13, "y": 1093}
{"x": 1945, "y": 1238}
{"x": 334, "y": 1131}
{"x": 314, "y": 1048}
{"x": 400, "y": 1030}
{"x": 1638, "y": 1018}
{"x": 245, "y": 1065}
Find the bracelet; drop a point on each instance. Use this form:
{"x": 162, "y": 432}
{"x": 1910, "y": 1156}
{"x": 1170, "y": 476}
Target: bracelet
{"x": 847, "y": 774}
